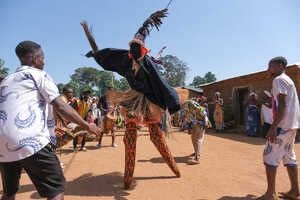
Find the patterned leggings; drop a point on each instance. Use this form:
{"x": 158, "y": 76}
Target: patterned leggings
{"x": 158, "y": 139}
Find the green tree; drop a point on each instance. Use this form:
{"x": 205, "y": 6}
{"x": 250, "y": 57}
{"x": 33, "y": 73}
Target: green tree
{"x": 60, "y": 87}
{"x": 86, "y": 87}
{"x": 198, "y": 80}
{"x": 3, "y": 70}
{"x": 86, "y": 76}
{"x": 122, "y": 84}
{"x": 174, "y": 70}
{"x": 75, "y": 87}
{"x": 105, "y": 79}
{"x": 209, "y": 77}
{"x": 97, "y": 80}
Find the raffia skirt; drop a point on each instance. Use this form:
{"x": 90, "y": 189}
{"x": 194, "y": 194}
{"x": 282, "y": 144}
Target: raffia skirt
{"x": 137, "y": 105}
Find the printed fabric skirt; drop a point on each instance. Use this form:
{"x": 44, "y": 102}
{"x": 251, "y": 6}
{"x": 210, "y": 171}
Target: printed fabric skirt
{"x": 252, "y": 120}
{"x": 218, "y": 118}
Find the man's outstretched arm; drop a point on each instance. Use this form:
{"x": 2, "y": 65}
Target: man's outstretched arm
{"x": 67, "y": 112}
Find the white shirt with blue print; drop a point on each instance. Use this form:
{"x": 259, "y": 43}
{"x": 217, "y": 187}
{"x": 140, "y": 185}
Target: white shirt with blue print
{"x": 26, "y": 115}
{"x": 283, "y": 84}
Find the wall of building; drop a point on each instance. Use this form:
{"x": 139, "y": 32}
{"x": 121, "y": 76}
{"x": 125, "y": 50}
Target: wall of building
{"x": 235, "y": 90}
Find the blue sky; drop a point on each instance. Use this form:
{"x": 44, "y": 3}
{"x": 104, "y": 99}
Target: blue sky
{"x": 227, "y": 37}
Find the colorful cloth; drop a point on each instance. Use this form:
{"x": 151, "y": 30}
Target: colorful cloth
{"x": 252, "y": 120}
{"x": 197, "y": 117}
{"x": 84, "y": 107}
{"x": 196, "y": 114}
{"x": 218, "y": 117}
{"x": 120, "y": 121}
{"x": 281, "y": 150}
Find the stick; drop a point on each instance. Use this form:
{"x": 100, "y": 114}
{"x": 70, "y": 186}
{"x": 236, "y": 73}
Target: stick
{"x": 89, "y": 36}
{"x": 169, "y": 4}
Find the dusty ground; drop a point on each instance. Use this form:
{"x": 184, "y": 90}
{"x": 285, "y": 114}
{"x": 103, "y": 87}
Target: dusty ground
{"x": 231, "y": 169}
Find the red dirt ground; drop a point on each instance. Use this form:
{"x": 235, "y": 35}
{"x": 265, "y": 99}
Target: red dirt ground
{"x": 231, "y": 168}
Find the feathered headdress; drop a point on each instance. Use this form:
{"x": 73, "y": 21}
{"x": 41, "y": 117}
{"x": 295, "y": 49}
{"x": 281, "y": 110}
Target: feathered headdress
{"x": 153, "y": 21}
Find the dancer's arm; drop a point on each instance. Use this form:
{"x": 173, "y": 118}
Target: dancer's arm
{"x": 89, "y": 36}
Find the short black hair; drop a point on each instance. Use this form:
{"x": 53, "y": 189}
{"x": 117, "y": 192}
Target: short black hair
{"x": 26, "y": 48}
{"x": 86, "y": 91}
{"x": 67, "y": 89}
{"x": 279, "y": 60}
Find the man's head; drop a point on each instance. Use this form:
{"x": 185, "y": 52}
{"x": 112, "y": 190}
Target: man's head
{"x": 109, "y": 88}
{"x": 267, "y": 98}
{"x": 86, "y": 94}
{"x": 95, "y": 99}
{"x": 277, "y": 65}
{"x": 68, "y": 92}
{"x": 30, "y": 54}
{"x": 253, "y": 96}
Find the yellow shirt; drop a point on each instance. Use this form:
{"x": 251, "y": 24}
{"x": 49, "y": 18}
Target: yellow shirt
{"x": 84, "y": 107}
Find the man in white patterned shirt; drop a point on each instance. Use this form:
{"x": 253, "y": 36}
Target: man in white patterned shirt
{"x": 27, "y": 139}
{"x": 281, "y": 135}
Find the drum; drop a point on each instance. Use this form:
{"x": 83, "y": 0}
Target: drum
{"x": 69, "y": 134}
{"x": 108, "y": 123}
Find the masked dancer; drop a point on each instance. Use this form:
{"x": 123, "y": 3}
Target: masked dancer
{"x": 150, "y": 96}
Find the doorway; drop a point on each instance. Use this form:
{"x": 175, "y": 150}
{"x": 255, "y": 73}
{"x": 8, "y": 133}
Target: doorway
{"x": 243, "y": 95}
{"x": 240, "y": 96}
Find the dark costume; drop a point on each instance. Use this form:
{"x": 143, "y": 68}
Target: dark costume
{"x": 150, "y": 95}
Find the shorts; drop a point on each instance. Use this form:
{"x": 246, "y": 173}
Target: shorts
{"x": 281, "y": 150}
{"x": 43, "y": 168}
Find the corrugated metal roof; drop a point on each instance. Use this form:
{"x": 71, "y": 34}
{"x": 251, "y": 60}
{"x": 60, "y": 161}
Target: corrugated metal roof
{"x": 293, "y": 65}
{"x": 199, "y": 90}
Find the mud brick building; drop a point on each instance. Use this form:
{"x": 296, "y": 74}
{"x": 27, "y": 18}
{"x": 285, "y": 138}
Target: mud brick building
{"x": 187, "y": 92}
{"x": 235, "y": 91}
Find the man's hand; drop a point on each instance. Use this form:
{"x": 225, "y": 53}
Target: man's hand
{"x": 59, "y": 132}
{"x": 272, "y": 134}
{"x": 93, "y": 128}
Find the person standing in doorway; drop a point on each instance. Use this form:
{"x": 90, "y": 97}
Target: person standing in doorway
{"x": 252, "y": 114}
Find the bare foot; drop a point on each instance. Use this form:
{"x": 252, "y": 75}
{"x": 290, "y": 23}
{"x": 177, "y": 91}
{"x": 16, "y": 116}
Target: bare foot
{"x": 290, "y": 195}
{"x": 268, "y": 197}
{"x": 193, "y": 154}
{"x": 193, "y": 161}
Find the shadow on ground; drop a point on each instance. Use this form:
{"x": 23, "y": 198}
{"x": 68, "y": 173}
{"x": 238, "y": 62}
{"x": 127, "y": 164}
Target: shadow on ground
{"x": 106, "y": 185}
{"x": 183, "y": 159}
{"x": 238, "y": 137}
{"x": 248, "y": 197}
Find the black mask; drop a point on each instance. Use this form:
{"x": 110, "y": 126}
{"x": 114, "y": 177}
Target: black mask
{"x": 135, "y": 50}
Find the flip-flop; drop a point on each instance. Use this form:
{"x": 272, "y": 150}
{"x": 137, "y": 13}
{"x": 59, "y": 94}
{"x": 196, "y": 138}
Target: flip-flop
{"x": 286, "y": 195}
